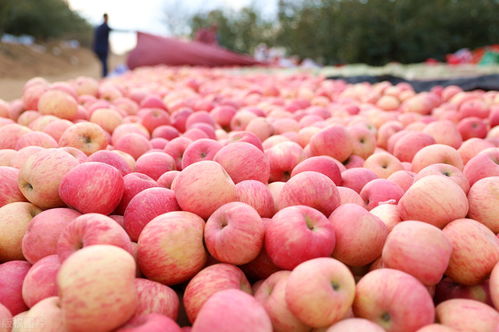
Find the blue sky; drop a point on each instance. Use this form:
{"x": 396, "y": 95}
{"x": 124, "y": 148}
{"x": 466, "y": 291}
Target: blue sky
{"x": 149, "y": 15}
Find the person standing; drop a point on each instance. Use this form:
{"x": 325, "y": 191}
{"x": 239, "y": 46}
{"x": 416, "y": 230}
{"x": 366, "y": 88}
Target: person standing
{"x": 101, "y": 44}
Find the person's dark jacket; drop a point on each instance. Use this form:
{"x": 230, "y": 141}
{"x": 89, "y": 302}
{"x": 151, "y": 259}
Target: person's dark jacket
{"x": 101, "y": 39}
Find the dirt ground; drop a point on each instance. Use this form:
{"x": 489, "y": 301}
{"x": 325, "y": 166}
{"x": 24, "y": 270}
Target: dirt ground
{"x": 55, "y": 62}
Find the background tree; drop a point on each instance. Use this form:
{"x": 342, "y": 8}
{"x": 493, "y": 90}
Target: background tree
{"x": 367, "y": 31}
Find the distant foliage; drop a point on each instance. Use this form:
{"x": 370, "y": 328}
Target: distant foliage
{"x": 368, "y": 31}
{"x": 43, "y": 19}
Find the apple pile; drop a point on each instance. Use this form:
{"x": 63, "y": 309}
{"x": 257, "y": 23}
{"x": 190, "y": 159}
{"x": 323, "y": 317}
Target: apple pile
{"x": 208, "y": 200}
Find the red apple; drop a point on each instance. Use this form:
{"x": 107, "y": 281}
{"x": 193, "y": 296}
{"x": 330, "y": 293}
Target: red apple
{"x": 91, "y": 229}
{"x": 394, "y": 300}
{"x": 475, "y": 251}
{"x": 234, "y": 233}
{"x": 434, "y": 199}
{"x": 484, "y": 164}
{"x": 145, "y": 206}
{"x": 85, "y": 136}
{"x": 82, "y": 184}
{"x": 14, "y": 221}
{"x": 155, "y": 164}
{"x": 41, "y": 175}
{"x": 297, "y": 234}
{"x": 312, "y": 189}
{"x": 9, "y": 191}
{"x": 40, "y": 281}
{"x": 241, "y": 312}
{"x": 381, "y": 191}
{"x": 243, "y": 161}
{"x": 154, "y": 297}
{"x": 101, "y": 296}
{"x": 202, "y": 149}
{"x": 283, "y": 158}
{"x": 203, "y": 187}
{"x": 319, "y": 292}
{"x": 44, "y": 230}
{"x": 159, "y": 256}
{"x": 133, "y": 184}
{"x": 417, "y": 248}
{"x": 12, "y": 276}
{"x": 272, "y": 296}
{"x": 334, "y": 141}
{"x": 360, "y": 236}
{"x": 322, "y": 164}
{"x": 112, "y": 159}
{"x": 211, "y": 280}
{"x": 467, "y": 315}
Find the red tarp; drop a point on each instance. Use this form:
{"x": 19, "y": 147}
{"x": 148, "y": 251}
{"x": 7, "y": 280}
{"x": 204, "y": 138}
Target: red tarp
{"x": 156, "y": 50}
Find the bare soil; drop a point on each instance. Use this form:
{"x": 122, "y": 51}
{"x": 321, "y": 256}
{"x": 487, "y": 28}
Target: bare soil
{"x": 53, "y": 61}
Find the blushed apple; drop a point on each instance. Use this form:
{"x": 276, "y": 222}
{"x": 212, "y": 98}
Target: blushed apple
{"x": 484, "y": 164}
{"x": 356, "y": 178}
{"x": 9, "y": 191}
{"x": 133, "y": 184}
{"x": 145, "y": 206}
{"x": 348, "y": 195}
{"x": 283, "y": 158}
{"x": 322, "y": 164}
{"x": 83, "y": 183}
{"x": 106, "y": 283}
{"x": 383, "y": 164}
{"x": 354, "y": 325}
{"x": 154, "y": 297}
{"x": 475, "y": 251}
{"x": 85, "y": 136}
{"x": 155, "y": 164}
{"x": 209, "y": 281}
{"x": 471, "y": 147}
{"x": 159, "y": 255}
{"x": 40, "y": 281}
{"x": 134, "y": 144}
{"x": 312, "y": 189}
{"x": 467, "y": 315}
{"x": 176, "y": 148}
{"x": 297, "y": 234}
{"x": 243, "y": 161}
{"x": 241, "y": 312}
{"x": 435, "y": 154}
{"x": 394, "y": 300}
{"x": 203, "y": 187}
{"x": 12, "y": 276}
{"x": 41, "y": 175}
{"x": 88, "y": 230}
{"x": 58, "y": 103}
{"x": 360, "y": 236}
{"x": 334, "y": 141}
{"x": 380, "y": 191}
{"x": 150, "y": 323}
{"x": 449, "y": 171}
{"x": 388, "y": 214}
{"x": 319, "y": 292}
{"x": 434, "y": 199}
{"x": 40, "y": 239}
{"x": 234, "y": 233}
{"x": 14, "y": 221}
{"x": 272, "y": 296}
{"x": 257, "y": 195}
{"x": 112, "y": 159}
{"x": 418, "y": 248}
{"x": 202, "y": 149}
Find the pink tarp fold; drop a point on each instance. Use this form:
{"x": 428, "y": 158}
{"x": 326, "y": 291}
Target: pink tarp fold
{"x": 154, "y": 50}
